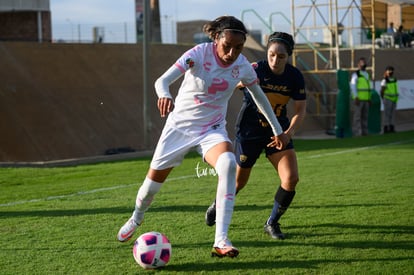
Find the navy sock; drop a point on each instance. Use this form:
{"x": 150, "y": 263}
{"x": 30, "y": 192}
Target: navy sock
{"x": 282, "y": 201}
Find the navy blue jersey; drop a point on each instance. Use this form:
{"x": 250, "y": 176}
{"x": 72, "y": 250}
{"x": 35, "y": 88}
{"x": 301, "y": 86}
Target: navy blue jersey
{"x": 279, "y": 89}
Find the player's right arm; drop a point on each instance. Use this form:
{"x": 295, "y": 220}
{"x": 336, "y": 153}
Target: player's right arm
{"x": 165, "y": 102}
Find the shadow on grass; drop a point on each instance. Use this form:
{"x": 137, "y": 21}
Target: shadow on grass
{"x": 169, "y": 208}
{"x": 377, "y": 244}
{"x": 404, "y": 229}
{"x": 234, "y": 264}
{"x": 246, "y": 266}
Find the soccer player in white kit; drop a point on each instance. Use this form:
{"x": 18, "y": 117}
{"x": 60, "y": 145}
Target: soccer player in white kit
{"x": 197, "y": 120}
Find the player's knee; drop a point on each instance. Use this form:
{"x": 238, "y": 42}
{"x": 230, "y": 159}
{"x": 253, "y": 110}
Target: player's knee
{"x": 290, "y": 183}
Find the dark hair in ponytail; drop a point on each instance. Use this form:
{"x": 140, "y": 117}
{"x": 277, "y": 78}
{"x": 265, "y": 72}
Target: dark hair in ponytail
{"x": 224, "y": 23}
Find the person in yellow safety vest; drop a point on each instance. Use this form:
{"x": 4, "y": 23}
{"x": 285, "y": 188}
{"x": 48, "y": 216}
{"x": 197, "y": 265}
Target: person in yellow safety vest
{"x": 361, "y": 96}
{"x": 389, "y": 95}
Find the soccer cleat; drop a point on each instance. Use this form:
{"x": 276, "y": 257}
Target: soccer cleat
{"x": 224, "y": 248}
{"x": 211, "y": 214}
{"x": 274, "y": 231}
{"x": 127, "y": 230}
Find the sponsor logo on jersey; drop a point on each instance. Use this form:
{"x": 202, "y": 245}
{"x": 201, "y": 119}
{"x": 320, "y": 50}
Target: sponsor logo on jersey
{"x": 189, "y": 62}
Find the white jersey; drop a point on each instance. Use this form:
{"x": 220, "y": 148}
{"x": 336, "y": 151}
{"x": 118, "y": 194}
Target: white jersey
{"x": 201, "y": 102}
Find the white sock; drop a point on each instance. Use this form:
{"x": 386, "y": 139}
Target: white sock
{"x": 144, "y": 198}
{"x": 226, "y": 189}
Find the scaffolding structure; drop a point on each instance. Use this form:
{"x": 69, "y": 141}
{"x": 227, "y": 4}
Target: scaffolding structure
{"x": 335, "y": 21}
{"x": 328, "y": 35}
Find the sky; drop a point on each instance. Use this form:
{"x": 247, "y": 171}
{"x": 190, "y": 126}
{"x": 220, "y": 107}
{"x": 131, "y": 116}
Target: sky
{"x": 114, "y": 20}
{"x": 76, "y": 19}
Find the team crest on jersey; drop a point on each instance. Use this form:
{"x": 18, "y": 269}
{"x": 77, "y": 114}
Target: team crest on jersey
{"x": 235, "y": 72}
{"x": 189, "y": 62}
{"x": 243, "y": 158}
{"x": 207, "y": 66}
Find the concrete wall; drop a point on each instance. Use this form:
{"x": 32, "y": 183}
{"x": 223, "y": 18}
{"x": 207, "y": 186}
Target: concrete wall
{"x": 64, "y": 101}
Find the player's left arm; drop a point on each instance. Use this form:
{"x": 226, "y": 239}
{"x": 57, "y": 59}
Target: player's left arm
{"x": 299, "y": 97}
{"x": 297, "y": 118}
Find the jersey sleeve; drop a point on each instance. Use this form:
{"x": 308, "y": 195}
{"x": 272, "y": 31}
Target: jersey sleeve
{"x": 162, "y": 84}
{"x": 185, "y": 62}
{"x": 250, "y": 76}
{"x": 299, "y": 90}
{"x": 189, "y": 59}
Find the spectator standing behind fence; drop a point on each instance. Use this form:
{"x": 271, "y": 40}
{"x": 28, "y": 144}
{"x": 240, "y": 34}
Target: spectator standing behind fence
{"x": 391, "y": 29}
{"x": 389, "y": 95}
{"x": 361, "y": 96}
{"x": 402, "y": 39}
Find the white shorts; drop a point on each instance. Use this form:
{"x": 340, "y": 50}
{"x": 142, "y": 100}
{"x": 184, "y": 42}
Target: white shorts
{"x": 173, "y": 145}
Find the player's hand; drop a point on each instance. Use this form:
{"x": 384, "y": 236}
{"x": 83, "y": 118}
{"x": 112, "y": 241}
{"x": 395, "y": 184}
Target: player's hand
{"x": 279, "y": 142}
{"x": 165, "y": 105}
{"x": 240, "y": 85}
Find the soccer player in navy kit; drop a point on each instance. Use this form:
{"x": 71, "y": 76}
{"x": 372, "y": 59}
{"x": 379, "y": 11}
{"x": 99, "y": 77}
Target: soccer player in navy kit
{"x": 281, "y": 82}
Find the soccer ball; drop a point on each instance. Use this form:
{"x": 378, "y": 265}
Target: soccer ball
{"x": 152, "y": 250}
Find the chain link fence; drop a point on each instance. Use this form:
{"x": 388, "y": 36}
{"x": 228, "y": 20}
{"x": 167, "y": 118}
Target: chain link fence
{"x": 69, "y": 32}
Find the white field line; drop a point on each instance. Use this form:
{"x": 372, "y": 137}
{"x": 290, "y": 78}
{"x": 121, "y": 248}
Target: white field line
{"x": 189, "y": 176}
{"x": 84, "y": 192}
{"x": 357, "y": 149}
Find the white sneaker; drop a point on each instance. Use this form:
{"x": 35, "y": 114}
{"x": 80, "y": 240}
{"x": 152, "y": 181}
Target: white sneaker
{"x": 127, "y": 230}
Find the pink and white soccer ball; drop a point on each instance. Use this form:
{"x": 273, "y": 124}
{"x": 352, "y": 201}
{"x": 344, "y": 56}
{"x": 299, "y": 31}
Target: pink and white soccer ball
{"x": 152, "y": 250}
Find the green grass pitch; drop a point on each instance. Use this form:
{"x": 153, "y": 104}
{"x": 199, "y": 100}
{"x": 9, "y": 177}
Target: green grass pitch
{"x": 352, "y": 214}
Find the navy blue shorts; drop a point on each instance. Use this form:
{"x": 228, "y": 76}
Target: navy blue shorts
{"x": 248, "y": 151}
